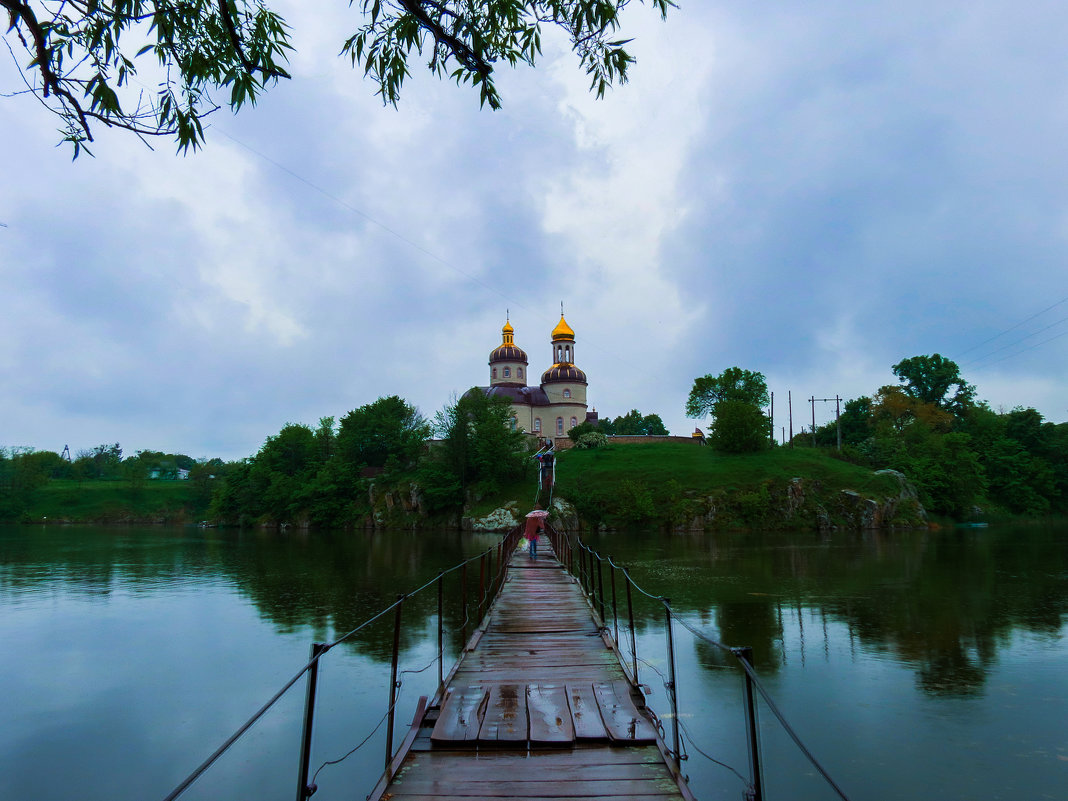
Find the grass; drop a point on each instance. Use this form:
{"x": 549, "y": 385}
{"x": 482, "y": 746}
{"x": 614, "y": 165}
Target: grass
{"x": 114, "y": 500}
{"x": 702, "y": 470}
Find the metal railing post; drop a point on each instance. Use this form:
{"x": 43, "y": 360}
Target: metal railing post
{"x": 745, "y": 654}
{"x": 615, "y": 610}
{"x": 463, "y": 606}
{"x": 672, "y": 686}
{"x": 600, "y": 587}
{"x": 303, "y": 790}
{"x": 393, "y": 681}
{"x": 633, "y": 636}
{"x": 441, "y": 634}
{"x": 481, "y": 588}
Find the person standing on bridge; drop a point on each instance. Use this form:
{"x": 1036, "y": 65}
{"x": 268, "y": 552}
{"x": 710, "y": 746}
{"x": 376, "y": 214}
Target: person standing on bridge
{"x": 535, "y": 525}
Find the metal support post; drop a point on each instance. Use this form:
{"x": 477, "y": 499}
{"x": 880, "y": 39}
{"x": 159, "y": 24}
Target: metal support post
{"x": 630, "y": 620}
{"x": 303, "y": 790}
{"x": 393, "y": 680}
{"x": 600, "y": 587}
{"x": 615, "y": 610}
{"x": 746, "y": 655}
{"x": 672, "y": 686}
{"x": 441, "y": 635}
{"x": 481, "y": 588}
{"x": 463, "y": 606}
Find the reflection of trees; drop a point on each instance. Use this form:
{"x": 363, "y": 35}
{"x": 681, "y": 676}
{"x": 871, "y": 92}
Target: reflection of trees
{"x": 330, "y": 582}
{"x": 942, "y": 602}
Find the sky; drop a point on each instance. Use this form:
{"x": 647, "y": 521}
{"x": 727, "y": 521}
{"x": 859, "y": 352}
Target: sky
{"x": 813, "y": 191}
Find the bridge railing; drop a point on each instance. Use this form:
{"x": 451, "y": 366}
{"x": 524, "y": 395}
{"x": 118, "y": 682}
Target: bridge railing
{"x": 612, "y": 599}
{"x": 473, "y": 604}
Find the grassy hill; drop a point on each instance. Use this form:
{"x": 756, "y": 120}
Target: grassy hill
{"x": 683, "y": 485}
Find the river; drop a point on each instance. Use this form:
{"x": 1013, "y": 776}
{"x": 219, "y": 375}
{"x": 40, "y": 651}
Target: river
{"x": 912, "y": 664}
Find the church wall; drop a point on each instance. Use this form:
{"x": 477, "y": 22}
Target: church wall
{"x": 517, "y": 373}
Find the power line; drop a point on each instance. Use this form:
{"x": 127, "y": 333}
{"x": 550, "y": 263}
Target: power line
{"x": 1012, "y": 328}
{"x": 1017, "y": 342}
{"x": 1017, "y": 353}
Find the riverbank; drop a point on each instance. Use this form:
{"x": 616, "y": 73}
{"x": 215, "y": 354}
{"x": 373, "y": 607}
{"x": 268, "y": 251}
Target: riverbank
{"x": 669, "y": 486}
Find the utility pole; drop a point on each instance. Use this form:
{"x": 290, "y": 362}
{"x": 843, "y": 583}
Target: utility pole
{"x": 790, "y": 404}
{"x": 771, "y": 419}
{"x": 813, "y": 399}
{"x": 837, "y": 417}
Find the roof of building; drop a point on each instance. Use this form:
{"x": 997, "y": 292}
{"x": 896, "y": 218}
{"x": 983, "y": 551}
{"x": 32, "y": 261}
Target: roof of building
{"x": 522, "y": 396}
{"x": 563, "y": 330}
{"x": 507, "y": 351}
{"x": 563, "y": 372}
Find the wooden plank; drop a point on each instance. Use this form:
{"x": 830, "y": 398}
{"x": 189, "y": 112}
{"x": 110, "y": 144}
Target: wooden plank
{"x": 461, "y": 715}
{"x": 506, "y": 715}
{"x": 530, "y": 768}
{"x": 584, "y": 713}
{"x": 442, "y": 787}
{"x": 438, "y": 797}
{"x": 625, "y": 724}
{"x": 550, "y": 715}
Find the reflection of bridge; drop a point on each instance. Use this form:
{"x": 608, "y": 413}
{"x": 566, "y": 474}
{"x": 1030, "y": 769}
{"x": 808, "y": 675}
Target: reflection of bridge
{"x": 539, "y": 705}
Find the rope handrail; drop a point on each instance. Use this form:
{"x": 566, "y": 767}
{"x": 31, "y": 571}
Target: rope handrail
{"x": 222, "y": 749}
{"x": 735, "y": 652}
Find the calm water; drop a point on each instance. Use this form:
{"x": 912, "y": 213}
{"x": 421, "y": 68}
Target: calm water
{"x": 913, "y": 665}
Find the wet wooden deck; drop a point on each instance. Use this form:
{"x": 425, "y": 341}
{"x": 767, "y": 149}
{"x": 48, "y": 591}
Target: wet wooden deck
{"x": 538, "y": 707}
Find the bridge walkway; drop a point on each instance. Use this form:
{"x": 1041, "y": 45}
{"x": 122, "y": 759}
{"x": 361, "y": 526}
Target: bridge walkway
{"x": 537, "y": 707}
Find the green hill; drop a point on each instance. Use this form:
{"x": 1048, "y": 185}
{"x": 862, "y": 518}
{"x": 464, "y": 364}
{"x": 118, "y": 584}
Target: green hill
{"x": 685, "y": 486}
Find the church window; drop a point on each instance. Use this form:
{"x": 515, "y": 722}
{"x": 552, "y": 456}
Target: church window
{"x": 515, "y": 422}
{"x": 574, "y": 422}
{"x": 494, "y": 372}
{"x": 537, "y": 425}
{"x": 507, "y": 372}
{"x": 560, "y": 426}
{"x": 567, "y": 354}
{"x": 519, "y": 372}
{"x": 567, "y": 393}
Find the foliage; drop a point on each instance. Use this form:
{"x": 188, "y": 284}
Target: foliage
{"x": 371, "y": 434}
{"x": 585, "y": 427}
{"x": 735, "y": 399}
{"x": 739, "y": 427}
{"x": 634, "y": 423}
{"x": 929, "y": 380}
{"x": 734, "y": 384}
{"x": 84, "y": 60}
{"x": 592, "y": 439}
{"x": 480, "y": 451}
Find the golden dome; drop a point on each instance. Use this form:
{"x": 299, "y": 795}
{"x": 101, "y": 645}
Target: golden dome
{"x": 563, "y": 330}
{"x": 508, "y": 351}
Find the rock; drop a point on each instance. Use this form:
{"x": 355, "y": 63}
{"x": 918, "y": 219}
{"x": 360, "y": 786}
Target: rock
{"x": 503, "y": 519}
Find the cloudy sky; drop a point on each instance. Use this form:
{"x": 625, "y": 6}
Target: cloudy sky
{"x": 812, "y": 190}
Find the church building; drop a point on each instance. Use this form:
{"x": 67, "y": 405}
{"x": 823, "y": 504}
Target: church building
{"x": 558, "y": 403}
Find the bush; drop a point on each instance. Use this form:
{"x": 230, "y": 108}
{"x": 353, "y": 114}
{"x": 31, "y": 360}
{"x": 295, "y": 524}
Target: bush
{"x": 592, "y": 439}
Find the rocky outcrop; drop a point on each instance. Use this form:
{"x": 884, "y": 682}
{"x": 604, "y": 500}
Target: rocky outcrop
{"x": 503, "y": 519}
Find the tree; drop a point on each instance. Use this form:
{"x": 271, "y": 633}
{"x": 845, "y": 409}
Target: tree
{"x": 374, "y": 432}
{"x": 83, "y": 61}
{"x": 735, "y": 399}
{"x": 734, "y": 383}
{"x": 930, "y": 378}
{"x": 633, "y": 423}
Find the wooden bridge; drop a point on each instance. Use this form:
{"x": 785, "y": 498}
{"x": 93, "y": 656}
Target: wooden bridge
{"x": 538, "y": 707}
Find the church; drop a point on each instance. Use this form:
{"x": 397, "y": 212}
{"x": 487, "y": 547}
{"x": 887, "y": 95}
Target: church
{"x": 558, "y": 403}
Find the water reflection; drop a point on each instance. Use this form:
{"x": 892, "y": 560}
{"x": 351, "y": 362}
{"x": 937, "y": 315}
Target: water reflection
{"x": 944, "y": 603}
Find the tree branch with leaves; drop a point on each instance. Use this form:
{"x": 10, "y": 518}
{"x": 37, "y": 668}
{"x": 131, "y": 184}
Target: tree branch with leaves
{"x": 83, "y": 67}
